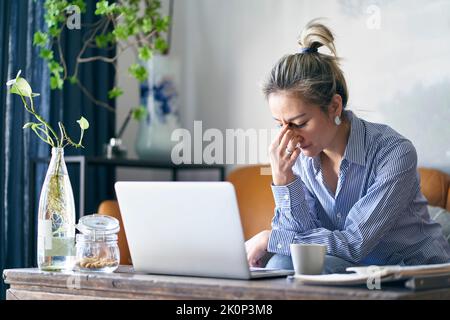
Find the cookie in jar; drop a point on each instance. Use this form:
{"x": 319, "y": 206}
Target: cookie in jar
{"x": 97, "y": 249}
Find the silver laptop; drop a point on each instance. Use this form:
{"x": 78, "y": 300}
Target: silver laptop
{"x": 186, "y": 228}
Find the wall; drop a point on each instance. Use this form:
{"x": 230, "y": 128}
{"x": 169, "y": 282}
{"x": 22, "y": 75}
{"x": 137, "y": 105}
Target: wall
{"x": 395, "y": 58}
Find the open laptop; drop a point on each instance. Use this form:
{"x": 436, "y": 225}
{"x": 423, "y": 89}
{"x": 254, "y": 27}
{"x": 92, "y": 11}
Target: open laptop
{"x": 186, "y": 228}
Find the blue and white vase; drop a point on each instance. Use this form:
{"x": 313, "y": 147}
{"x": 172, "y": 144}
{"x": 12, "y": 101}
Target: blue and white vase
{"x": 160, "y": 95}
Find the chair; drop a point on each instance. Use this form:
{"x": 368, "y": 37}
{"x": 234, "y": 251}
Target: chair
{"x": 254, "y": 196}
{"x": 111, "y": 208}
{"x": 256, "y": 204}
{"x": 435, "y": 186}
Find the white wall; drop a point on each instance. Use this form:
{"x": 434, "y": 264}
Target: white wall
{"x": 398, "y": 73}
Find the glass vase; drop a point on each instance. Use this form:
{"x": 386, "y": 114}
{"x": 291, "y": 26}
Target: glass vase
{"x": 56, "y": 218}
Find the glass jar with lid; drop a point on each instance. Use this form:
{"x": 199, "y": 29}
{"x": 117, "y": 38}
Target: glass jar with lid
{"x": 96, "y": 245}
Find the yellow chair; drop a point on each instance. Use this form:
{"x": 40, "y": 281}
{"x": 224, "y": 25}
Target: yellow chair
{"x": 256, "y": 204}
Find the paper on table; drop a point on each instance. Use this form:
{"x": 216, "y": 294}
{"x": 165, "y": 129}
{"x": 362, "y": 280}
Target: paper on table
{"x": 360, "y": 275}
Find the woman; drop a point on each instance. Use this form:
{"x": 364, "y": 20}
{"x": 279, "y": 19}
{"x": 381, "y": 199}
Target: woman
{"x": 339, "y": 180}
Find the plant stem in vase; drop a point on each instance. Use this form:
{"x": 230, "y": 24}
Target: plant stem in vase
{"x": 56, "y": 218}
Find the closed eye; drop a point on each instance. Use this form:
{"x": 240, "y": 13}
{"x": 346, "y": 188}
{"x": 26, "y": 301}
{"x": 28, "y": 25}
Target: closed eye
{"x": 293, "y": 125}
{"x": 297, "y": 126}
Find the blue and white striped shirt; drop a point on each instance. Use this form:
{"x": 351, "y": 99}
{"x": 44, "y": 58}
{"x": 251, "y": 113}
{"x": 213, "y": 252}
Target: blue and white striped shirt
{"x": 378, "y": 214}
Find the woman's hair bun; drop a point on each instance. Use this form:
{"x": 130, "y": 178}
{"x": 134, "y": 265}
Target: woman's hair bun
{"x": 312, "y": 76}
{"x": 316, "y": 35}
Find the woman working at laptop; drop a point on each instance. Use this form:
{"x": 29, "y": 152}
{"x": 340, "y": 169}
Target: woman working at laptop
{"x": 339, "y": 180}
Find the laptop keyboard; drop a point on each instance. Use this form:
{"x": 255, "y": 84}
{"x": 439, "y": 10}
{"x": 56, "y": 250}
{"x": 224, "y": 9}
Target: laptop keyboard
{"x": 262, "y": 270}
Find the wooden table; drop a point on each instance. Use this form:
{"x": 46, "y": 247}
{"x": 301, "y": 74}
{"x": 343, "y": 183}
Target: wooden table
{"x": 124, "y": 284}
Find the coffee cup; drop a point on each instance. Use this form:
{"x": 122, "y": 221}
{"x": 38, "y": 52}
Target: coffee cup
{"x": 308, "y": 258}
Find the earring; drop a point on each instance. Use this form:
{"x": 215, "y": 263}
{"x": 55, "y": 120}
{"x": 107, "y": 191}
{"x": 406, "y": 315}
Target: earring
{"x": 337, "y": 120}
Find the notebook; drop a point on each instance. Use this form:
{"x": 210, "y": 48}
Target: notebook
{"x": 371, "y": 274}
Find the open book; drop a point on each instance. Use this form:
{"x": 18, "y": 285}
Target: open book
{"x": 364, "y": 275}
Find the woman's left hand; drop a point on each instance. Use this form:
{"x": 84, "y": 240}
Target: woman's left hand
{"x": 257, "y": 248}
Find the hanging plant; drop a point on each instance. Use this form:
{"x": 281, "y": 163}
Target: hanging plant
{"x": 123, "y": 24}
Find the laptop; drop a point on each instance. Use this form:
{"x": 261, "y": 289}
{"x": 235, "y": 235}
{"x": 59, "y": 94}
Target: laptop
{"x": 186, "y": 228}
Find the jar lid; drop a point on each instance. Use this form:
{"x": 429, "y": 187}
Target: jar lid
{"x": 82, "y": 238}
{"x": 97, "y": 224}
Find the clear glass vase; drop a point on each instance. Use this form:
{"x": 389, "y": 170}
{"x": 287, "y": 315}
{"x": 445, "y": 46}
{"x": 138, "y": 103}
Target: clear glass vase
{"x": 56, "y": 218}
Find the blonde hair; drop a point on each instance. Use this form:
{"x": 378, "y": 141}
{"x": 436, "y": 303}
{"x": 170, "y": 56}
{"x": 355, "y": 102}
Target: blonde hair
{"x": 313, "y": 76}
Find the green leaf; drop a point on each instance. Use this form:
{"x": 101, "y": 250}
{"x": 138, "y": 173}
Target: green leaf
{"x": 21, "y": 87}
{"x": 154, "y": 5}
{"x": 133, "y": 29}
{"x": 110, "y": 37}
{"x": 34, "y": 126}
{"x": 73, "y": 80}
{"x": 55, "y": 67}
{"x": 114, "y": 93}
{"x": 145, "y": 53}
{"x": 28, "y": 125}
{"x": 161, "y": 45}
{"x": 147, "y": 25}
{"x": 40, "y": 39}
{"x": 56, "y": 82}
{"x": 130, "y": 16}
{"x": 46, "y": 54}
{"x": 138, "y": 71}
{"x": 101, "y": 41}
{"x": 81, "y": 4}
{"x": 162, "y": 25}
{"x": 54, "y": 31}
{"x": 84, "y": 124}
{"x": 102, "y": 7}
{"x": 121, "y": 32}
{"x": 139, "y": 113}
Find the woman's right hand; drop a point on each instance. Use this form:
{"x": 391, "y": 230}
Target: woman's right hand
{"x": 256, "y": 248}
{"x": 281, "y": 161}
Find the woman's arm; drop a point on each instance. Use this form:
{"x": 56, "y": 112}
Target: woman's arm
{"x": 302, "y": 218}
{"x": 367, "y": 222}
{"x": 288, "y": 191}
{"x": 295, "y": 212}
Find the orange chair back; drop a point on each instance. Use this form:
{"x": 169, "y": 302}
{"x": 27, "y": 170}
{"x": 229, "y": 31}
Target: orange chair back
{"x": 111, "y": 208}
{"x": 254, "y": 196}
{"x": 435, "y": 186}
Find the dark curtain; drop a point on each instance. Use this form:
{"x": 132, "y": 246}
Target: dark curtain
{"x": 19, "y": 19}
{"x": 4, "y": 23}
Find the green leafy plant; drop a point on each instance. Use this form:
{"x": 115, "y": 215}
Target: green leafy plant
{"x": 122, "y": 25}
{"x": 41, "y": 127}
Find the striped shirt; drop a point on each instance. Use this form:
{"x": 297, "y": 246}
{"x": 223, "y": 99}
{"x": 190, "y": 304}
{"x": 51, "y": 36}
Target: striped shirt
{"x": 378, "y": 214}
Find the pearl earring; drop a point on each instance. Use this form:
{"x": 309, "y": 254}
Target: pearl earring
{"x": 337, "y": 120}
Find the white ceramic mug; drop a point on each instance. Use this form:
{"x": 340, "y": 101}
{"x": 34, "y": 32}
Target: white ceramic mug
{"x": 308, "y": 258}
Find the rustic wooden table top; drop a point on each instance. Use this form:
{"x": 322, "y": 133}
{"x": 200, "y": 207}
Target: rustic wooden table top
{"x": 125, "y": 284}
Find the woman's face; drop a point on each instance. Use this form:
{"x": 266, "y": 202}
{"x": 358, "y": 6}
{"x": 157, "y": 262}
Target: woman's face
{"x": 314, "y": 129}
